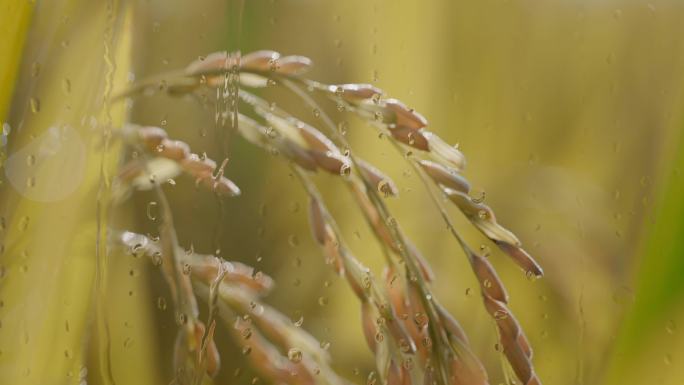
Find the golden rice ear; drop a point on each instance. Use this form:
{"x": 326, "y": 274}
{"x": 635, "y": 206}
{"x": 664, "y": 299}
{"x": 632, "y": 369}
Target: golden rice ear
{"x": 333, "y": 252}
{"x": 482, "y": 217}
{"x": 213, "y": 359}
{"x": 353, "y": 93}
{"x": 522, "y": 258}
{"x": 411, "y": 137}
{"x": 514, "y": 343}
{"x": 405, "y": 117}
{"x": 315, "y": 139}
{"x": 246, "y": 275}
{"x": 197, "y": 166}
{"x": 317, "y": 221}
{"x": 202, "y": 169}
{"x": 444, "y": 151}
{"x": 309, "y": 149}
{"x": 214, "y": 63}
{"x": 451, "y": 325}
{"x": 425, "y": 269}
{"x": 445, "y": 176}
{"x": 382, "y": 183}
{"x": 465, "y": 371}
{"x": 172, "y": 149}
{"x": 152, "y": 136}
{"x": 368, "y": 325}
{"x": 490, "y": 283}
{"x": 331, "y": 162}
{"x": 221, "y": 186}
{"x": 260, "y": 61}
{"x": 285, "y": 127}
{"x": 293, "y": 65}
{"x": 247, "y": 79}
{"x": 298, "y": 155}
{"x": 295, "y": 151}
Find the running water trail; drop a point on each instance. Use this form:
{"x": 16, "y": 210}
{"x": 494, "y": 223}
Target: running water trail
{"x": 101, "y": 257}
{"x": 226, "y": 112}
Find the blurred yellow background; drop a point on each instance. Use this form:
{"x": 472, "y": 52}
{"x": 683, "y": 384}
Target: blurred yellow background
{"x": 570, "y": 114}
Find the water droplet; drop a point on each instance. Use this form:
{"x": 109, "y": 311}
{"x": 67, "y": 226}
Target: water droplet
{"x": 617, "y": 14}
{"x": 371, "y": 379}
{"x": 299, "y": 322}
{"x": 420, "y": 319}
{"x": 404, "y": 346}
{"x": 500, "y": 314}
{"x": 181, "y": 319}
{"x": 157, "y": 259}
{"x": 35, "y": 69}
{"x": 294, "y": 355}
{"x": 293, "y": 240}
{"x": 411, "y": 138}
{"x": 385, "y": 188}
{"x": 322, "y": 301}
{"x": 342, "y": 127}
{"x": 34, "y": 104}
{"x": 408, "y": 364}
{"x": 480, "y": 198}
{"x": 345, "y": 170}
{"x": 671, "y": 327}
{"x": 152, "y": 211}
{"x": 161, "y": 303}
{"x": 246, "y": 333}
{"x": 66, "y": 86}
{"x": 294, "y": 207}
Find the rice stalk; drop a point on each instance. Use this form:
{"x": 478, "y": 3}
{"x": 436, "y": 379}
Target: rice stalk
{"x": 279, "y": 350}
{"x": 424, "y": 343}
